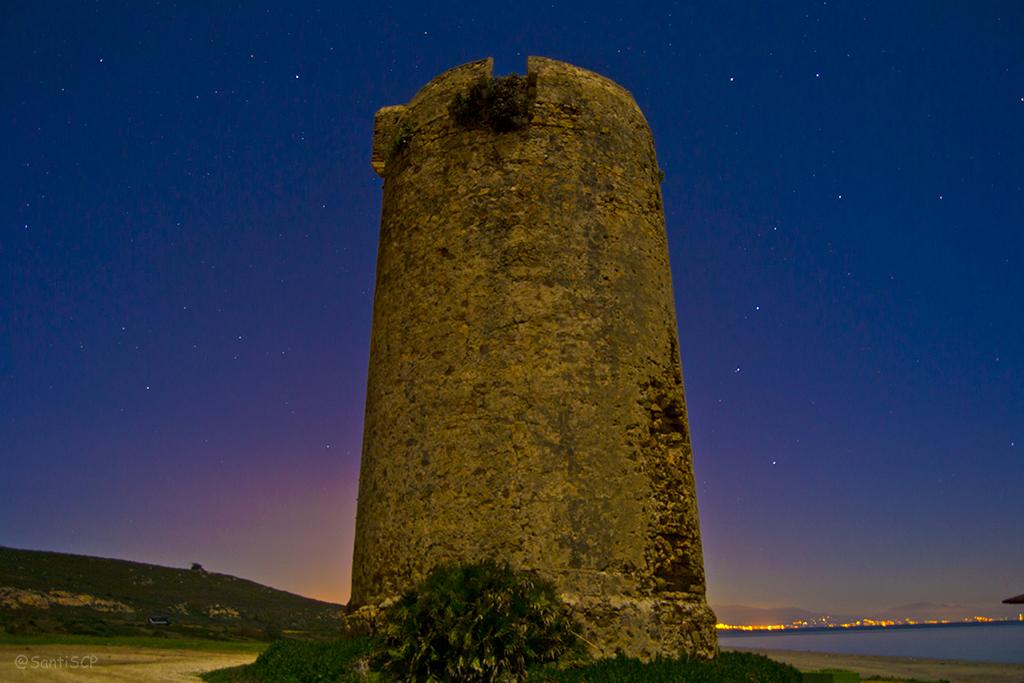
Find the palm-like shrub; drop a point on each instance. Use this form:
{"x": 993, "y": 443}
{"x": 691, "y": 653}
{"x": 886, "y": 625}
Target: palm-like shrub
{"x": 475, "y": 623}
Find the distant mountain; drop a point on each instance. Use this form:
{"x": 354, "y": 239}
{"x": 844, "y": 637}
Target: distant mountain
{"x": 47, "y": 592}
{"x": 741, "y": 615}
{"x": 924, "y": 611}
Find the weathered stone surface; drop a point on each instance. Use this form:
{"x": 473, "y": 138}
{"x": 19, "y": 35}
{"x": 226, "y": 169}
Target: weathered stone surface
{"x": 525, "y": 399}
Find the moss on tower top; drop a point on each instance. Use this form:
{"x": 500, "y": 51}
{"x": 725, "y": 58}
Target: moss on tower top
{"x": 501, "y": 104}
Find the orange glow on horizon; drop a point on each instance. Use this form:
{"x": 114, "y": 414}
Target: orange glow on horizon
{"x": 860, "y": 623}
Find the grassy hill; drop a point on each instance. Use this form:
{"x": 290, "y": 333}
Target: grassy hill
{"x": 46, "y": 592}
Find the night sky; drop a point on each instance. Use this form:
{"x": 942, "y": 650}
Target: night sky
{"x": 188, "y": 226}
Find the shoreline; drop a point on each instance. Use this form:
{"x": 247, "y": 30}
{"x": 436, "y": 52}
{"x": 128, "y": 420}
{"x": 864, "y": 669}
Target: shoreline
{"x": 803, "y": 630}
{"x": 954, "y": 671}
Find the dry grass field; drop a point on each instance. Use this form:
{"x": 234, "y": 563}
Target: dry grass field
{"x": 55, "y": 663}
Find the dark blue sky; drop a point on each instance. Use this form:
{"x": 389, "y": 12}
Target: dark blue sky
{"x": 188, "y": 224}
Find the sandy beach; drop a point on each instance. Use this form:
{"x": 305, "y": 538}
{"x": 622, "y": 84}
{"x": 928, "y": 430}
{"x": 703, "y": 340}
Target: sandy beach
{"x": 899, "y": 667}
{"x": 66, "y": 663}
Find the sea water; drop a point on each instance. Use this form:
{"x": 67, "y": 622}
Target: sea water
{"x": 1003, "y": 642}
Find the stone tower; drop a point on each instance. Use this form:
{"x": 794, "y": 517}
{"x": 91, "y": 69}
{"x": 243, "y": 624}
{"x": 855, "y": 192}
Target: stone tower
{"x": 525, "y": 399}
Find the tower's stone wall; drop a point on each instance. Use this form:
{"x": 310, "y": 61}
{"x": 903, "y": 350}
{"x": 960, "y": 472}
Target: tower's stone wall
{"x": 525, "y": 400}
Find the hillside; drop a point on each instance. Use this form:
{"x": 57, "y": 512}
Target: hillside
{"x": 48, "y": 592}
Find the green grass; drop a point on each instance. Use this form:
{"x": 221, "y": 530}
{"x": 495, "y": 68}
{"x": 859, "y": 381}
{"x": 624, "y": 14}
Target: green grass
{"x": 341, "y": 661}
{"x": 135, "y": 641}
{"x": 232, "y": 674}
{"x": 297, "y": 661}
{"x": 831, "y": 676}
{"x": 810, "y": 676}
{"x": 730, "y": 667}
